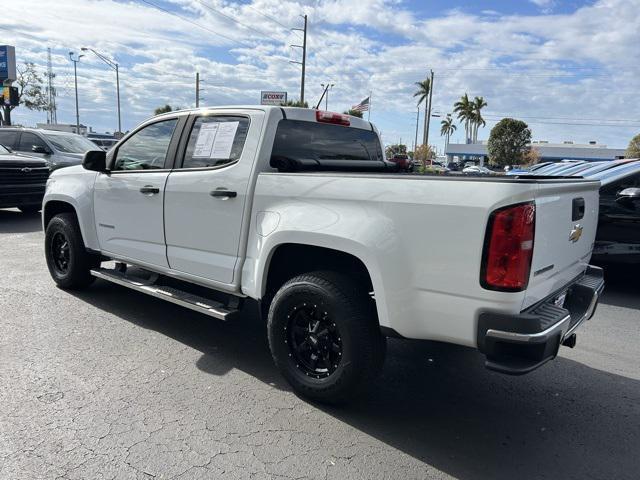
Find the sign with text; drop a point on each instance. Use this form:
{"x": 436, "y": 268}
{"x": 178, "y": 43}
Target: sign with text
{"x": 273, "y": 98}
{"x": 7, "y": 63}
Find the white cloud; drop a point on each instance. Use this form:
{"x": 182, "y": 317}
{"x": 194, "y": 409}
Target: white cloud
{"x": 579, "y": 65}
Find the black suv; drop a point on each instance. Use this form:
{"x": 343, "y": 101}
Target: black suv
{"x": 22, "y": 181}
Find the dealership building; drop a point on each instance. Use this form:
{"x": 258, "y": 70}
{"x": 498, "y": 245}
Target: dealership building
{"x": 549, "y": 152}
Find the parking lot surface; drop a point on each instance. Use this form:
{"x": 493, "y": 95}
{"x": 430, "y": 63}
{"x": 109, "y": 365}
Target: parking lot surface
{"x": 110, "y": 383}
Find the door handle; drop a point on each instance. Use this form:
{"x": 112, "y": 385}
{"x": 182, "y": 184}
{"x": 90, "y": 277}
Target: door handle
{"x": 149, "y": 190}
{"x": 223, "y": 193}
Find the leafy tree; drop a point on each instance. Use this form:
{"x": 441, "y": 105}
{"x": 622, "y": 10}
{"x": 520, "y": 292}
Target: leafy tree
{"x": 531, "y": 157}
{"x": 447, "y": 128}
{"x": 395, "y": 149}
{"x": 295, "y": 103}
{"x": 422, "y": 93}
{"x": 31, "y": 92}
{"x": 633, "y": 150}
{"x": 353, "y": 113}
{"x": 166, "y": 109}
{"x": 424, "y": 154}
{"x": 509, "y": 142}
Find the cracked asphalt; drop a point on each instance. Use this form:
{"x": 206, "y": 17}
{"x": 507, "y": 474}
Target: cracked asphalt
{"x": 112, "y": 384}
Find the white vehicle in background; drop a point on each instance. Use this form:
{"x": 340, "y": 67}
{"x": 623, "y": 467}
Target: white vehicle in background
{"x": 477, "y": 169}
{"x": 296, "y": 209}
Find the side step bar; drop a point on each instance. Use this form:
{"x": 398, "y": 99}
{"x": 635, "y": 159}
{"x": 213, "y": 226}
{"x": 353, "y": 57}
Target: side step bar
{"x": 194, "y": 302}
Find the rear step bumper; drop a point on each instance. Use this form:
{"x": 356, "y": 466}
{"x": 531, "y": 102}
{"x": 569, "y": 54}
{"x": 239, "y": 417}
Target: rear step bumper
{"x": 203, "y": 305}
{"x": 517, "y": 344}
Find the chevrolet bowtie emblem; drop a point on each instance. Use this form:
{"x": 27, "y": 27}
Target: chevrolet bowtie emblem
{"x": 576, "y": 233}
{"x": 26, "y": 170}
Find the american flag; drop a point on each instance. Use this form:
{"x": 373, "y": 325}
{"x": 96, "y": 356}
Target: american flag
{"x": 363, "y": 106}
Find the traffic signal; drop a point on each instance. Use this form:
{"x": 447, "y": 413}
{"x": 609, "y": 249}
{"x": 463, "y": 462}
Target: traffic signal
{"x": 10, "y": 96}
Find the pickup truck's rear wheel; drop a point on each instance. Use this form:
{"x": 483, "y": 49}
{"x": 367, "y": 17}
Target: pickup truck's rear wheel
{"x": 67, "y": 258}
{"x": 324, "y": 336}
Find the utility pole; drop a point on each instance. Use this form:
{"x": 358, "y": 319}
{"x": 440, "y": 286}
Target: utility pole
{"x": 197, "y": 89}
{"x": 116, "y": 67}
{"x": 428, "y": 119}
{"x": 75, "y": 76}
{"x": 415, "y": 144}
{"x": 304, "y": 55}
{"x": 51, "y": 92}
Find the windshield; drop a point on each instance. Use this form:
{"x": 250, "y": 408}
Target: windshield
{"x": 70, "y": 143}
{"x": 4, "y": 151}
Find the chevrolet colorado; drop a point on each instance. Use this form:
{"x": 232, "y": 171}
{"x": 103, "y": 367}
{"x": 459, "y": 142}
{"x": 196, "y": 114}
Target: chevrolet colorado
{"x": 22, "y": 181}
{"x": 298, "y": 210}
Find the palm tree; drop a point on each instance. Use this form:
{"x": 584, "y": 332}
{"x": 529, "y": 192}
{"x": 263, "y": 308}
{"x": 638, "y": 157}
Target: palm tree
{"x": 447, "y": 128}
{"x": 478, "y": 104}
{"x": 464, "y": 109}
{"x": 423, "y": 94}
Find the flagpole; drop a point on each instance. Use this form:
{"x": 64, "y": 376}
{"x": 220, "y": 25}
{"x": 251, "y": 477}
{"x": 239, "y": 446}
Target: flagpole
{"x": 369, "y": 111}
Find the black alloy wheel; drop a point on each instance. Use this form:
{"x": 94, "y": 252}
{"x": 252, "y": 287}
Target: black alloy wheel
{"x": 60, "y": 254}
{"x": 314, "y": 340}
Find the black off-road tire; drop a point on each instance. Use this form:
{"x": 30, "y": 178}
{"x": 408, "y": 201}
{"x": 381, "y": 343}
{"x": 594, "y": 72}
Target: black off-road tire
{"x": 64, "y": 228}
{"x": 30, "y": 208}
{"x": 344, "y": 306}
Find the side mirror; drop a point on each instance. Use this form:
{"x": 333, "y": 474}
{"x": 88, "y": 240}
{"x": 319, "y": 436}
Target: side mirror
{"x": 95, "y": 160}
{"x": 40, "y": 149}
{"x": 628, "y": 196}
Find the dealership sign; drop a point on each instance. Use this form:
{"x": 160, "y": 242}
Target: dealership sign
{"x": 7, "y": 63}
{"x": 273, "y": 98}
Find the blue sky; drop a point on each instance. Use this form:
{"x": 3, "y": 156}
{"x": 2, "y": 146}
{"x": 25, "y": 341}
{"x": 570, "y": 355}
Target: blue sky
{"x": 570, "y": 69}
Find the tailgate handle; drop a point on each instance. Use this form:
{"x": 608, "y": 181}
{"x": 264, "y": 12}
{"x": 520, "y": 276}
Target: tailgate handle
{"x": 577, "y": 211}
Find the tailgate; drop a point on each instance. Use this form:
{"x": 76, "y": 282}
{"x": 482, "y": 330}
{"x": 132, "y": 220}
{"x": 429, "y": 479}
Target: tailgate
{"x": 566, "y": 222}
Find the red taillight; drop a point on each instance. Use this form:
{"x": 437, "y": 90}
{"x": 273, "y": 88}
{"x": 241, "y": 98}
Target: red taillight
{"x": 332, "y": 117}
{"x": 508, "y": 248}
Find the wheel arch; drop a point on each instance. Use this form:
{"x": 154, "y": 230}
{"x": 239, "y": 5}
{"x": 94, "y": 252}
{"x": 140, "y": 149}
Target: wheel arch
{"x": 54, "y": 206}
{"x": 287, "y": 260}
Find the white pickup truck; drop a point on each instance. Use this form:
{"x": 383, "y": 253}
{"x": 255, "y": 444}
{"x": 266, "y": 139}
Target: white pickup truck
{"x": 298, "y": 210}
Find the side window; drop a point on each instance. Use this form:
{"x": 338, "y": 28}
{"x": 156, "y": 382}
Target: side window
{"x": 29, "y": 140}
{"x": 632, "y": 181}
{"x": 8, "y": 139}
{"x": 216, "y": 141}
{"x": 147, "y": 148}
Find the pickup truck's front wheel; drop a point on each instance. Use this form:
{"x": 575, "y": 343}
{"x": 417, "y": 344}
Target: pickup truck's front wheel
{"x": 324, "y": 336}
{"x": 67, "y": 258}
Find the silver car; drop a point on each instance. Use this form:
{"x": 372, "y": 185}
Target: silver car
{"x": 58, "y": 149}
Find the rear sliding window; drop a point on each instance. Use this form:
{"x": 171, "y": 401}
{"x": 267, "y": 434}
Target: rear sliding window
{"x": 301, "y": 145}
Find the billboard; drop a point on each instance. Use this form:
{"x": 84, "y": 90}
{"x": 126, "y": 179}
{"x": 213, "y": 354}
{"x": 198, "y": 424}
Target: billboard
{"x": 7, "y": 63}
{"x": 273, "y": 98}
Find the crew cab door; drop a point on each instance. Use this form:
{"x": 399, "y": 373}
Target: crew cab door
{"x": 206, "y": 194}
{"x": 128, "y": 201}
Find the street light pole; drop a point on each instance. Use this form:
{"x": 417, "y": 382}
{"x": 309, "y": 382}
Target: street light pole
{"x": 75, "y": 77}
{"x": 326, "y": 100}
{"x": 116, "y": 67}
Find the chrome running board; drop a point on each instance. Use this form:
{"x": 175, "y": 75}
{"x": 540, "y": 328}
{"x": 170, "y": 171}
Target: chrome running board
{"x": 203, "y": 305}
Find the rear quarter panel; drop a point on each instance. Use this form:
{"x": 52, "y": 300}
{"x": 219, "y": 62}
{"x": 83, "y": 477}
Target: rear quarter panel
{"x": 421, "y": 239}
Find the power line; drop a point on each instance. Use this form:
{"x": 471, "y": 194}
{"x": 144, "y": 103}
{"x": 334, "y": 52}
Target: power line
{"x": 215, "y": 10}
{"x": 158, "y": 7}
{"x": 269, "y": 17}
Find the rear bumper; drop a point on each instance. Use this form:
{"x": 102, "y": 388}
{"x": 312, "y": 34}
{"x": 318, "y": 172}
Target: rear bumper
{"x": 519, "y": 343}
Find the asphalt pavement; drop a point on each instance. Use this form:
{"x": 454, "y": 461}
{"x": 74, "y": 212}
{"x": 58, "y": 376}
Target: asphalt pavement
{"x": 113, "y": 384}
